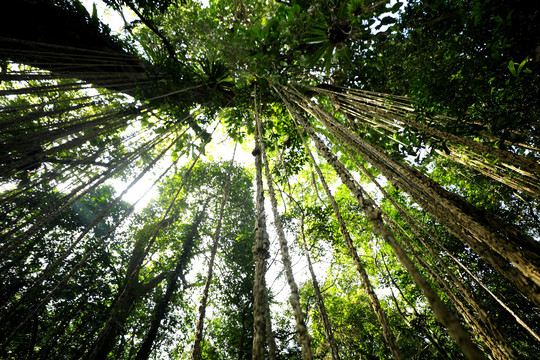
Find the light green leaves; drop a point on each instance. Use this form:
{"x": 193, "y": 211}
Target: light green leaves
{"x": 520, "y": 67}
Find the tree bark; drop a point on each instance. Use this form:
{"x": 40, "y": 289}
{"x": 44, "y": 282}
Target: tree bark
{"x": 301, "y": 328}
{"x": 38, "y": 33}
{"x": 132, "y": 292}
{"x": 260, "y": 254}
{"x": 374, "y": 300}
{"x": 424, "y": 328}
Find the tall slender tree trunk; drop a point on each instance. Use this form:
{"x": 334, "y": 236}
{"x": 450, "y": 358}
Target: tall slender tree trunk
{"x": 270, "y": 340}
{"x": 475, "y": 317}
{"x": 196, "y": 351}
{"x": 374, "y": 300}
{"x": 132, "y": 291}
{"x": 327, "y": 326}
{"x": 301, "y": 328}
{"x": 161, "y": 308}
{"x": 417, "y": 229}
{"x": 104, "y": 343}
{"x": 424, "y": 328}
{"x": 261, "y": 313}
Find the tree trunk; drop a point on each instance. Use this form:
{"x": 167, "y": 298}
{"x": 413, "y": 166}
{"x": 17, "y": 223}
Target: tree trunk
{"x": 481, "y": 231}
{"x": 328, "y": 332}
{"x": 196, "y": 352}
{"x": 424, "y": 328}
{"x": 131, "y": 293}
{"x": 260, "y": 254}
{"x": 374, "y": 300}
{"x": 104, "y": 342}
{"x": 479, "y": 321}
{"x": 161, "y": 308}
{"x": 301, "y": 328}
{"x": 43, "y": 35}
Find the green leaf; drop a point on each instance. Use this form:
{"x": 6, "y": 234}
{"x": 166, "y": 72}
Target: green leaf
{"x": 387, "y": 21}
{"x": 315, "y": 40}
{"x": 95, "y": 18}
{"x": 318, "y": 31}
{"x": 512, "y": 67}
{"x": 396, "y": 7}
{"x": 522, "y": 65}
{"x": 318, "y": 54}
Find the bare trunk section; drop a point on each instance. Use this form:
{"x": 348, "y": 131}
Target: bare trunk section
{"x": 132, "y": 292}
{"x": 104, "y": 343}
{"x": 261, "y": 312}
{"x": 41, "y": 34}
{"x": 301, "y": 328}
{"x": 425, "y": 330}
{"x": 272, "y": 347}
{"x": 473, "y": 314}
{"x": 374, "y": 300}
{"x": 161, "y": 308}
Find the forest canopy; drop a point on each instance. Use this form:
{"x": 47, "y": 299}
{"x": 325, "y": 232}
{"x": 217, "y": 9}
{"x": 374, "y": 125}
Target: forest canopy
{"x": 388, "y": 209}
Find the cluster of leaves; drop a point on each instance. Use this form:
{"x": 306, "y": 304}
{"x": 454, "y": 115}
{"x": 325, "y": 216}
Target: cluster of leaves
{"x": 474, "y": 60}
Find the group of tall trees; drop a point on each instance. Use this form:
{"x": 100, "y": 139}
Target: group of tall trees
{"x": 396, "y": 146}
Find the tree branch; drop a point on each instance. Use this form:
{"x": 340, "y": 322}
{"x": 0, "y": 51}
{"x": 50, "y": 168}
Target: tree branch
{"x": 154, "y": 282}
{"x": 151, "y": 26}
